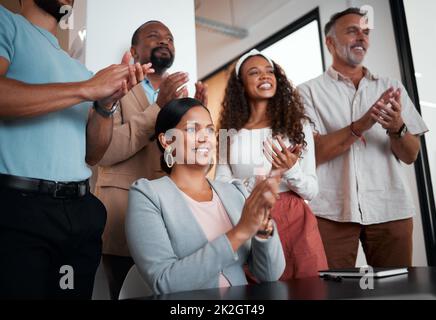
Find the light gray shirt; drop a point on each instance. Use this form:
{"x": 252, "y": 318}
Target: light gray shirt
{"x": 366, "y": 184}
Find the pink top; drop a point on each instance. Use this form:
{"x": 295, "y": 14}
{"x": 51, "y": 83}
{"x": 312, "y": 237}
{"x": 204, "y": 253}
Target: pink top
{"x": 213, "y": 219}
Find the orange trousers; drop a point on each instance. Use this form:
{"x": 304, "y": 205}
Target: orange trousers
{"x": 298, "y": 230}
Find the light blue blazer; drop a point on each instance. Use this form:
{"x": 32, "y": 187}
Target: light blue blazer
{"x": 171, "y": 250}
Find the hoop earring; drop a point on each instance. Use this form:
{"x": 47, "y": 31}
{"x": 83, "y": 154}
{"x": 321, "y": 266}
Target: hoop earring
{"x": 168, "y": 157}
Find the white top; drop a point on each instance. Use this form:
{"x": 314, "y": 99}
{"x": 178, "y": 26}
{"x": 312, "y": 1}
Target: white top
{"x": 365, "y": 185}
{"x": 247, "y": 160}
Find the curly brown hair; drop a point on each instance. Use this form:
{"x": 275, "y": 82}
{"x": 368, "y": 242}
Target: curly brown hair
{"x": 285, "y": 109}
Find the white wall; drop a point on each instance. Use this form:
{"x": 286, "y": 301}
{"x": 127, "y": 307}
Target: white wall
{"x": 110, "y": 26}
{"x": 77, "y": 34}
{"x": 422, "y": 27}
{"x": 382, "y": 59}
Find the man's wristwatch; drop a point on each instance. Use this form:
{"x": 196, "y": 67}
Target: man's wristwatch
{"x": 103, "y": 111}
{"x": 401, "y": 133}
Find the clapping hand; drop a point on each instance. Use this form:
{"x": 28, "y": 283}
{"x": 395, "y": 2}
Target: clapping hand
{"x": 112, "y": 83}
{"x": 388, "y": 113}
{"x": 281, "y": 159}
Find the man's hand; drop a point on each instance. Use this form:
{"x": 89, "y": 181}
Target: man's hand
{"x": 367, "y": 121}
{"x": 330, "y": 146}
{"x": 112, "y": 83}
{"x": 23, "y": 100}
{"x": 201, "y": 93}
{"x": 388, "y": 114}
{"x": 169, "y": 88}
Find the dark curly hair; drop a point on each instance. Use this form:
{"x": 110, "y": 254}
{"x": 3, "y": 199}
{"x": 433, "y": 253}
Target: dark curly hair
{"x": 285, "y": 109}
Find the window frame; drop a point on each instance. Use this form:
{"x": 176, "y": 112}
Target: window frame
{"x": 283, "y": 33}
{"x": 422, "y": 168}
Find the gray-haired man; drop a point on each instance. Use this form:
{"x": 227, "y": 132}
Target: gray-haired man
{"x": 367, "y": 127}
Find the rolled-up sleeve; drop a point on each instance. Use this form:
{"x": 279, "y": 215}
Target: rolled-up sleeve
{"x": 411, "y": 116}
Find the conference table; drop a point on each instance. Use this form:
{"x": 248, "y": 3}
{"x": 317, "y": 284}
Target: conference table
{"x": 418, "y": 284}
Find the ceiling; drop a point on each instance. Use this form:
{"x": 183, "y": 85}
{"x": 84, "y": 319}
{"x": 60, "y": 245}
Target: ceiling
{"x": 245, "y": 14}
{"x": 240, "y": 13}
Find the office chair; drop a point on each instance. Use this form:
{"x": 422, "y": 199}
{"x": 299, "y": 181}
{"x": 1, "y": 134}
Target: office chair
{"x": 134, "y": 286}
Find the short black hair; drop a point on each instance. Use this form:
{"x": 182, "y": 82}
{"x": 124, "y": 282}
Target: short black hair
{"x": 169, "y": 117}
{"x": 137, "y": 33}
{"x": 334, "y": 18}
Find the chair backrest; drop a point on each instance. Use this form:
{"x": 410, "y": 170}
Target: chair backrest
{"x": 134, "y": 286}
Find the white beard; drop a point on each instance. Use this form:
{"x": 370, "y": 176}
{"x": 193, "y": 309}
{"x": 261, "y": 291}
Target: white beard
{"x": 346, "y": 54}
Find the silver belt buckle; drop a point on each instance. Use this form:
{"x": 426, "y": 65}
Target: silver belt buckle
{"x": 58, "y": 193}
{"x": 82, "y": 189}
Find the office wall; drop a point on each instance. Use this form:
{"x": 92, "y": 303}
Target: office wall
{"x": 382, "y": 59}
{"x": 110, "y": 26}
{"x": 422, "y": 27}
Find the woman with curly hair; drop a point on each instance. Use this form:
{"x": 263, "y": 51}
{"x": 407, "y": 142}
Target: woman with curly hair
{"x": 269, "y": 130}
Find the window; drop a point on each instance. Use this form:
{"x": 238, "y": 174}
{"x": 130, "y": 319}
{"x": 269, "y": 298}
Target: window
{"x": 415, "y": 28}
{"x": 299, "y": 53}
{"x": 422, "y": 27}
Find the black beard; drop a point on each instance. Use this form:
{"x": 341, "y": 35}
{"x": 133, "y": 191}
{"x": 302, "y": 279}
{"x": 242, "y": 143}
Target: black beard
{"x": 52, "y": 7}
{"x": 160, "y": 65}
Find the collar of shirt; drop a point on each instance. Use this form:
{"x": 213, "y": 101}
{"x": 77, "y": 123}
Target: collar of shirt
{"x": 150, "y": 92}
{"x": 336, "y": 75}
